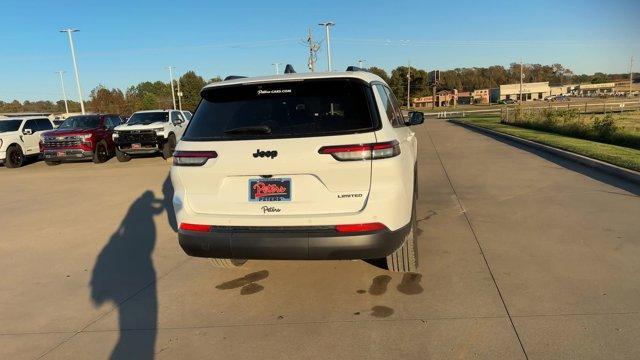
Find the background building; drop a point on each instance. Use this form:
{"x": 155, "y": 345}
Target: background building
{"x": 595, "y": 89}
{"x": 480, "y": 96}
{"x": 530, "y": 91}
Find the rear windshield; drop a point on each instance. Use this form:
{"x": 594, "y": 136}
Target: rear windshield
{"x": 81, "y": 122}
{"x": 147, "y": 118}
{"x": 282, "y": 109}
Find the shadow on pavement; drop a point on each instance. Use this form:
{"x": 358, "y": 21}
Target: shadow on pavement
{"x": 125, "y": 268}
{"x": 567, "y": 164}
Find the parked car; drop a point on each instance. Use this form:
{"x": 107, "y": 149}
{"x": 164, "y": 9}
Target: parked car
{"x": 19, "y": 138}
{"x": 150, "y": 132}
{"x": 299, "y": 166}
{"x": 507, "y": 101}
{"x": 83, "y": 137}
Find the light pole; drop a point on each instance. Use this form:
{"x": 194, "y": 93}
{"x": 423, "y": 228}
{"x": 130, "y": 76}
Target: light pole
{"x": 277, "y": 65}
{"x": 179, "y": 95}
{"x": 327, "y": 25}
{"x": 75, "y": 66}
{"x": 360, "y": 62}
{"x": 173, "y": 94}
{"x": 64, "y": 93}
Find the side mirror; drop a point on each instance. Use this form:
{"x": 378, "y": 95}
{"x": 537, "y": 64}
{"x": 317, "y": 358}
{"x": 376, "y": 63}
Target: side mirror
{"x": 416, "y": 118}
{"x": 27, "y": 131}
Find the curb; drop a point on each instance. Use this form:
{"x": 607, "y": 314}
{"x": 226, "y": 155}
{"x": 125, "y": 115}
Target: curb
{"x": 610, "y": 169}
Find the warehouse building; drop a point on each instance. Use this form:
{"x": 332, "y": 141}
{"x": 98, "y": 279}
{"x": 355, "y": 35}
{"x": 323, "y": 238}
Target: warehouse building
{"x": 530, "y": 91}
{"x": 596, "y": 89}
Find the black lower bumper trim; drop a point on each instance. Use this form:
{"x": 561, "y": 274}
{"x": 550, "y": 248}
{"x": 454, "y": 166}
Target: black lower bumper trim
{"x": 295, "y": 244}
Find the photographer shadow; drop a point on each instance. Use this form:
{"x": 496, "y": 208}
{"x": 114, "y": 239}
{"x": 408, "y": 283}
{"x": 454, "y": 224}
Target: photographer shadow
{"x": 124, "y": 268}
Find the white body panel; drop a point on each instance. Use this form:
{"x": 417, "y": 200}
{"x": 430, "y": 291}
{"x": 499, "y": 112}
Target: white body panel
{"x": 379, "y": 190}
{"x": 163, "y": 129}
{"x": 28, "y": 143}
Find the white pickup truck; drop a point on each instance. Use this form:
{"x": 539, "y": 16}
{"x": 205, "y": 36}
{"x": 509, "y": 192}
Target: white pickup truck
{"x": 20, "y": 138}
{"x": 150, "y": 132}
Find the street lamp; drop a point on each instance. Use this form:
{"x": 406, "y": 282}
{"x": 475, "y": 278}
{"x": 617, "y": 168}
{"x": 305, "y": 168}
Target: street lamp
{"x": 326, "y": 25}
{"x": 64, "y": 93}
{"x": 173, "y": 95}
{"x": 75, "y": 65}
{"x": 360, "y": 62}
{"x": 277, "y": 65}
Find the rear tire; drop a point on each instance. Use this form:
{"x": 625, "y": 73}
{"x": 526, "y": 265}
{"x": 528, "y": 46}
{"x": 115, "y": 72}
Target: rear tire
{"x": 405, "y": 258}
{"x": 101, "y": 153}
{"x": 15, "y": 157}
{"x": 227, "y": 263}
{"x": 122, "y": 157}
{"x": 169, "y": 147}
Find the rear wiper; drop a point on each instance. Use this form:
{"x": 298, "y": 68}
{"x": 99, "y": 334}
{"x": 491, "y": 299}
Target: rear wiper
{"x": 258, "y": 129}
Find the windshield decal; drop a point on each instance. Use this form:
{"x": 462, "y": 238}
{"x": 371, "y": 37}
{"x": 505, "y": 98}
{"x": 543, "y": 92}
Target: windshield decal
{"x": 275, "y": 91}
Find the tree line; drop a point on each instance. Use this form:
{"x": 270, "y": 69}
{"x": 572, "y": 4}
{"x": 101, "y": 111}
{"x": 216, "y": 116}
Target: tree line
{"x": 146, "y": 95}
{"x": 157, "y": 95}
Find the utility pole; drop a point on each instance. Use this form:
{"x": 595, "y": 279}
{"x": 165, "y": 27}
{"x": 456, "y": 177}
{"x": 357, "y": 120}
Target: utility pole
{"x": 521, "y": 76}
{"x": 179, "y": 95}
{"x": 173, "y": 95}
{"x": 314, "y": 47}
{"x": 408, "y": 84}
{"x": 75, "y": 65}
{"x": 64, "y": 93}
{"x": 360, "y": 62}
{"x": 327, "y": 25}
{"x": 277, "y": 66}
{"x": 630, "y": 76}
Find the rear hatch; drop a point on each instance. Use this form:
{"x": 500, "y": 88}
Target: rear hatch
{"x": 267, "y": 138}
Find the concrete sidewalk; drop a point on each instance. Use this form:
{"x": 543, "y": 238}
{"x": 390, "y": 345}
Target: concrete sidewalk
{"x": 518, "y": 254}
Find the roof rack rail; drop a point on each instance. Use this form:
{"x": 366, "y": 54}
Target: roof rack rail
{"x": 355, "y": 68}
{"x": 289, "y": 69}
{"x": 233, "y": 77}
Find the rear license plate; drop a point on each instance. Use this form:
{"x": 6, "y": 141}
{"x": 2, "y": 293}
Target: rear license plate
{"x": 61, "y": 153}
{"x": 136, "y": 146}
{"x": 270, "y": 189}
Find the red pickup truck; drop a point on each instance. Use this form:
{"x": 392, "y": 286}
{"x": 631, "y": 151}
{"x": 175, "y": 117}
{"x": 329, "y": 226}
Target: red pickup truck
{"x": 81, "y": 137}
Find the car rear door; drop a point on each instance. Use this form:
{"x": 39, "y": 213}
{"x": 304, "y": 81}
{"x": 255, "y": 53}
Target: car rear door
{"x": 288, "y": 172}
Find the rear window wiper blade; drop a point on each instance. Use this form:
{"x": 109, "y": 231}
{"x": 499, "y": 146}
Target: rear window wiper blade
{"x": 258, "y": 129}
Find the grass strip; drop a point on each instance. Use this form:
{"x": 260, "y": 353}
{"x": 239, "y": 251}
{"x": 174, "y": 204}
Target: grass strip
{"x": 612, "y": 154}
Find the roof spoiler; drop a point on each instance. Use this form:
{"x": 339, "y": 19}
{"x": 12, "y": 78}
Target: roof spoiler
{"x": 233, "y": 77}
{"x": 355, "y": 68}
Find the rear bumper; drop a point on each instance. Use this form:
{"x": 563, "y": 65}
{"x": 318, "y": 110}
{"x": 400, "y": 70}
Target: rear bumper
{"x": 290, "y": 243}
{"x": 69, "y": 154}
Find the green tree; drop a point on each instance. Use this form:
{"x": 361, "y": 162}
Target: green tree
{"x": 380, "y": 72}
{"x": 191, "y": 85}
{"x": 398, "y": 83}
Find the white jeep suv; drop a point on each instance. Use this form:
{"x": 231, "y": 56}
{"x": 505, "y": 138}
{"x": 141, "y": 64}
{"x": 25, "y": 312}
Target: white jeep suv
{"x": 150, "y": 132}
{"x": 20, "y": 138}
{"x": 298, "y": 166}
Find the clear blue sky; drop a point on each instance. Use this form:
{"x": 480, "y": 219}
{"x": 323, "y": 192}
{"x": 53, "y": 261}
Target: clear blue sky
{"x": 124, "y": 42}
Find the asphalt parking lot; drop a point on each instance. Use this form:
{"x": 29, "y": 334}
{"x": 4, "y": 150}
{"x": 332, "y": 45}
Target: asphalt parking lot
{"x": 522, "y": 255}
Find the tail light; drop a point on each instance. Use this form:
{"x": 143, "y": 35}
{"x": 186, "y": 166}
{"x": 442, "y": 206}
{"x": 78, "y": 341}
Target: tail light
{"x": 195, "y": 227}
{"x": 192, "y": 158}
{"x": 355, "y": 228}
{"x": 373, "y": 151}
